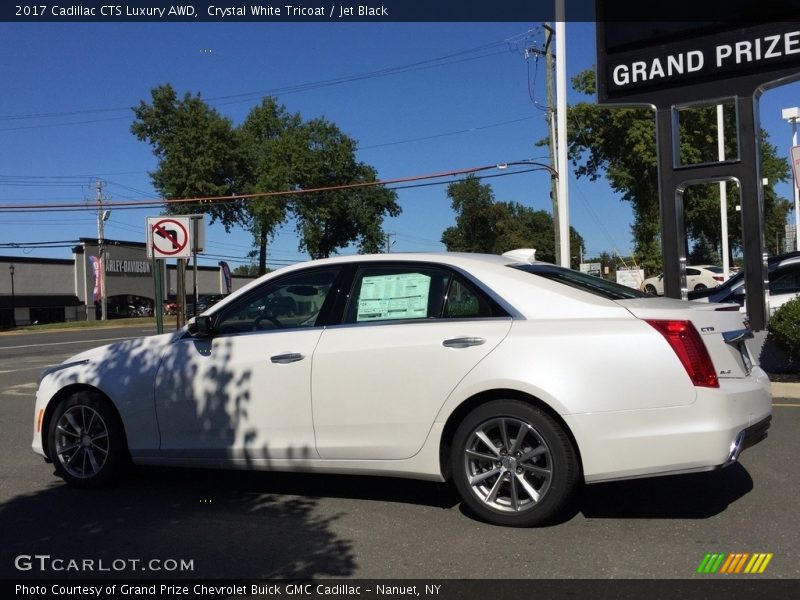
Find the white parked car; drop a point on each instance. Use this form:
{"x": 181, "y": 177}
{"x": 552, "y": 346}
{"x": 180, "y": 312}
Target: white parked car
{"x": 518, "y": 380}
{"x": 697, "y": 278}
{"x": 783, "y": 272}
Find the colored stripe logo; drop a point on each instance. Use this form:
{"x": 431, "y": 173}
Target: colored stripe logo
{"x": 729, "y": 564}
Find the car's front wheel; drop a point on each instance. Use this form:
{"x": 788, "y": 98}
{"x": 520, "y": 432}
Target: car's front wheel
{"x": 513, "y": 464}
{"x": 86, "y": 440}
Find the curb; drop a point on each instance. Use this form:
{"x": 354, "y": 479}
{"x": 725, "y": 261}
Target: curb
{"x": 785, "y": 390}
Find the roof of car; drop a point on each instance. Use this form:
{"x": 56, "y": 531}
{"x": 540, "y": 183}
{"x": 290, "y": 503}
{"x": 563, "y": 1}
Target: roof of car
{"x": 464, "y": 259}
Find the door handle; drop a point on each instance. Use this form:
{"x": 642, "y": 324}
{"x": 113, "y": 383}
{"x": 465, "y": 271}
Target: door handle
{"x": 285, "y": 359}
{"x": 463, "y": 342}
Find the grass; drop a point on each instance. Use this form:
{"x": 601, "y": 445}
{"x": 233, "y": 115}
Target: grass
{"x": 169, "y": 324}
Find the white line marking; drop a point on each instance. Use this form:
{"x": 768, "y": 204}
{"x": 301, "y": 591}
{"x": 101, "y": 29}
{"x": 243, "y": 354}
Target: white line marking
{"x": 28, "y": 369}
{"x": 62, "y": 343}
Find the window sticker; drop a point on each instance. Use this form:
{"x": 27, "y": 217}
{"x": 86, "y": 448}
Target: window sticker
{"x": 397, "y": 296}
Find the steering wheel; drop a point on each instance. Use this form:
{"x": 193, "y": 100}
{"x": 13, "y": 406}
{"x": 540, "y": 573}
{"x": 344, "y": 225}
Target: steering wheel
{"x": 262, "y": 317}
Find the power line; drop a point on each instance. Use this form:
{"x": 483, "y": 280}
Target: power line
{"x": 194, "y": 201}
{"x": 441, "y": 61}
{"x": 445, "y": 134}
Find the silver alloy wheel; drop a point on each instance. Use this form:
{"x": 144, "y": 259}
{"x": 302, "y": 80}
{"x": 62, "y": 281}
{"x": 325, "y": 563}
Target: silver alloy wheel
{"x": 81, "y": 441}
{"x": 508, "y": 465}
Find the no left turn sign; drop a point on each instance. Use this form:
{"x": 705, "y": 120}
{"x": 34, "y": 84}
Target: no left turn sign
{"x": 168, "y": 237}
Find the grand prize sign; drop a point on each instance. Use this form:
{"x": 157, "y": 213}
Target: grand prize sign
{"x": 689, "y": 62}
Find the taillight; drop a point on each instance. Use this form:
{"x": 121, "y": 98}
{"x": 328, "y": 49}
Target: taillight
{"x": 719, "y": 278}
{"x": 690, "y": 349}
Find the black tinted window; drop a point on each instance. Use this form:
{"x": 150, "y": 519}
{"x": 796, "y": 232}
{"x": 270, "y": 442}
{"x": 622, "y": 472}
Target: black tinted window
{"x": 582, "y": 281}
{"x": 464, "y": 302}
{"x": 285, "y": 303}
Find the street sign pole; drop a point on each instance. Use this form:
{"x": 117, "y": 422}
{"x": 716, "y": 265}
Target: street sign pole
{"x": 181, "y": 285}
{"x": 158, "y": 308}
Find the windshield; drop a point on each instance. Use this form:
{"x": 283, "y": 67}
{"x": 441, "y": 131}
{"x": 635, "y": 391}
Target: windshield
{"x": 582, "y": 281}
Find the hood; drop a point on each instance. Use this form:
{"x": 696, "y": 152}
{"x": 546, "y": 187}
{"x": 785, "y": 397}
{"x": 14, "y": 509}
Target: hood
{"x": 153, "y": 342}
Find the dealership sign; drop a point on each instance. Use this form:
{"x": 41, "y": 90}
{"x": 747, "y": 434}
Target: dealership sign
{"x": 755, "y": 55}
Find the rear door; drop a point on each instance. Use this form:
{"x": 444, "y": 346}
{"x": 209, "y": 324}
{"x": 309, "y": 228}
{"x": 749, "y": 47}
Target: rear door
{"x": 410, "y": 333}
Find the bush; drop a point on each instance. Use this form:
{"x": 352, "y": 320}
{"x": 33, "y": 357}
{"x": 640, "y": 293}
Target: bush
{"x": 784, "y": 328}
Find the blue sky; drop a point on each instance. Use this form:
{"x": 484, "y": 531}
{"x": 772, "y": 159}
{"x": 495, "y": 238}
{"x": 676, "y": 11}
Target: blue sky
{"x": 482, "y": 93}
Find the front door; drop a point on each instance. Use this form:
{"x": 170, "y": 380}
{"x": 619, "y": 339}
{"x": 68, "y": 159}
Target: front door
{"x": 245, "y": 391}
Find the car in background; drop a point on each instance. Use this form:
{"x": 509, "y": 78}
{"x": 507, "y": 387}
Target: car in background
{"x": 697, "y": 278}
{"x": 784, "y": 284}
{"x": 517, "y": 380}
{"x": 204, "y": 302}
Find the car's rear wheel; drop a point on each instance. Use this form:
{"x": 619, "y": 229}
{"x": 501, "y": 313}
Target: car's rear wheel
{"x": 700, "y": 286}
{"x": 86, "y": 440}
{"x": 513, "y": 464}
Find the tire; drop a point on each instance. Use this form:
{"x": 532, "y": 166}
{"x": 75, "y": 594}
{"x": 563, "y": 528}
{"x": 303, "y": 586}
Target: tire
{"x": 651, "y": 289}
{"x": 499, "y": 484}
{"x": 700, "y": 286}
{"x": 86, "y": 441}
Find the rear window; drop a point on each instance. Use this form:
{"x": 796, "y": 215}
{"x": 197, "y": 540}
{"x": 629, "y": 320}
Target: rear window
{"x": 582, "y": 281}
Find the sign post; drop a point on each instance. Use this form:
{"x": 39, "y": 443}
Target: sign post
{"x": 158, "y": 308}
{"x": 171, "y": 237}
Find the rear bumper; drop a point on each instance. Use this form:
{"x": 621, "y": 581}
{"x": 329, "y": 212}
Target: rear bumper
{"x": 753, "y": 435}
{"x": 707, "y": 434}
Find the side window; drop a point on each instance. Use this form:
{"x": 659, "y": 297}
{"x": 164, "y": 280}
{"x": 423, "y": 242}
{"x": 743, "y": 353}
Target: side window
{"x": 463, "y": 302}
{"x": 692, "y": 272}
{"x": 287, "y": 303}
{"x": 785, "y": 281}
{"x": 396, "y": 293}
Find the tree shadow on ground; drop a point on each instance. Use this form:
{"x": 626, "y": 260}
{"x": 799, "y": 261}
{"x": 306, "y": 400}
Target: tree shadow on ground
{"x": 226, "y": 530}
{"x": 232, "y": 524}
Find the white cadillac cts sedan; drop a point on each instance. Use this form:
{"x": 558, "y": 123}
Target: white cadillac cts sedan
{"x": 517, "y": 380}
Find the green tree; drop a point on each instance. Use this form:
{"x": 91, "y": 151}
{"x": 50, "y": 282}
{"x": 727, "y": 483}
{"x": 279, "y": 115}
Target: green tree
{"x": 620, "y": 144}
{"x": 251, "y": 270}
{"x": 323, "y": 156}
{"x": 703, "y": 252}
{"x": 484, "y": 225}
{"x": 476, "y": 217}
{"x": 265, "y": 137}
{"x": 198, "y": 151}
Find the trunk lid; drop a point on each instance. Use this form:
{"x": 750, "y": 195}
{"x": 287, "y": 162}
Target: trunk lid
{"x": 721, "y": 327}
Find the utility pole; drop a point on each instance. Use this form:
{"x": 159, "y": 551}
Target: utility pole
{"x": 389, "y": 242}
{"x": 561, "y": 112}
{"x": 101, "y": 219}
{"x": 551, "y": 123}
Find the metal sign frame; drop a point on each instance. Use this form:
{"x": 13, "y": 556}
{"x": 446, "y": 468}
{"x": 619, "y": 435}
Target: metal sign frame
{"x": 744, "y": 82}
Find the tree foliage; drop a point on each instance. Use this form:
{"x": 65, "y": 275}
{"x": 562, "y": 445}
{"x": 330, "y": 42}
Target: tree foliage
{"x": 485, "y": 225}
{"x": 200, "y": 153}
{"x": 620, "y": 144}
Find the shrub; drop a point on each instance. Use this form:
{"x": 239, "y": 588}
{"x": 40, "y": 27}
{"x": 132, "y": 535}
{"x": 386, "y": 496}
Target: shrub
{"x": 784, "y": 327}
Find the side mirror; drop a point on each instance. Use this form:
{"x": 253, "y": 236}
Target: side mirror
{"x": 200, "y": 326}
